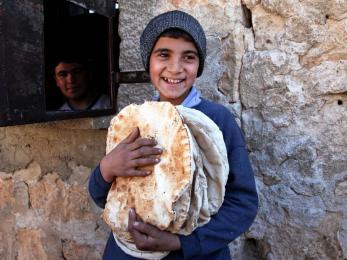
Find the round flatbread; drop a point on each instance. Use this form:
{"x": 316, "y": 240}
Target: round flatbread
{"x": 211, "y": 168}
{"x": 153, "y": 196}
{"x": 185, "y": 189}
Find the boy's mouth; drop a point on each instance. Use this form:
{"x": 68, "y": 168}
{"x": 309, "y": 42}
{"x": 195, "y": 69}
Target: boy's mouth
{"x": 173, "y": 81}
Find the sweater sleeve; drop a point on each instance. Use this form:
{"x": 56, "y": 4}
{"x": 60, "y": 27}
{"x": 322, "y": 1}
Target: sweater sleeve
{"x": 98, "y": 187}
{"x": 240, "y": 203}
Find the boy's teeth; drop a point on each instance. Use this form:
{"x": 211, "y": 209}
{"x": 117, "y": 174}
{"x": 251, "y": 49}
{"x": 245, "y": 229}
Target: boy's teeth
{"x": 174, "y": 81}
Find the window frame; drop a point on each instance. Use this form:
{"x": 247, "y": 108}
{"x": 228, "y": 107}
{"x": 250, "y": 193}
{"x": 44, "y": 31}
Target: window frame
{"x": 22, "y": 71}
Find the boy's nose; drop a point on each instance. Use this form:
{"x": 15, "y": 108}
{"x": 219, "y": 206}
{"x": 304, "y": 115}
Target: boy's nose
{"x": 175, "y": 67}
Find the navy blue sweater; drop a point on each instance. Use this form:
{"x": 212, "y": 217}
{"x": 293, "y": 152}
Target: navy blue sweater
{"x": 236, "y": 213}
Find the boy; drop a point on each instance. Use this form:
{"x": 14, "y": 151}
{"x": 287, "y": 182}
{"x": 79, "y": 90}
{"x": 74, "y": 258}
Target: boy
{"x": 173, "y": 50}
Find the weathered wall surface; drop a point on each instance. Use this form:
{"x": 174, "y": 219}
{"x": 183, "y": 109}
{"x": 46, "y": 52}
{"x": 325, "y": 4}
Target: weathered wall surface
{"x": 294, "y": 95}
{"x": 279, "y": 66}
{"x": 45, "y": 210}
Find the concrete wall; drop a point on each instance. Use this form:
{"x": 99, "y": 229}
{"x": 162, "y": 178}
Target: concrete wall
{"x": 279, "y": 66}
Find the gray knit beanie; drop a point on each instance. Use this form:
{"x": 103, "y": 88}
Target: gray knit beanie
{"x": 169, "y": 20}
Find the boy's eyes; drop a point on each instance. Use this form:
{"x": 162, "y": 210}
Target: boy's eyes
{"x": 163, "y": 54}
{"x": 186, "y": 57}
{"x": 190, "y": 57}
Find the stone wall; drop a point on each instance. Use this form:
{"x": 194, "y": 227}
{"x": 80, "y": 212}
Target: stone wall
{"x": 45, "y": 210}
{"x": 279, "y": 66}
{"x": 294, "y": 95}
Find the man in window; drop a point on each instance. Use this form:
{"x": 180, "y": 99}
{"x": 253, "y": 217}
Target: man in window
{"x": 76, "y": 81}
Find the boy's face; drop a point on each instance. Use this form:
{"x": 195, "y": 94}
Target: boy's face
{"x": 71, "y": 78}
{"x": 173, "y": 67}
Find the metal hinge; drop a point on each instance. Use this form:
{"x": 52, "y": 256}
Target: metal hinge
{"x": 116, "y": 5}
{"x": 132, "y": 77}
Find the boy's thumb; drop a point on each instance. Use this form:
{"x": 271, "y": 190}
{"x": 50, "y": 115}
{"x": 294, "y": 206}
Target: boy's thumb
{"x": 133, "y": 135}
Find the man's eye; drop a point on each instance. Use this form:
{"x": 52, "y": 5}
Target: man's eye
{"x": 62, "y": 74}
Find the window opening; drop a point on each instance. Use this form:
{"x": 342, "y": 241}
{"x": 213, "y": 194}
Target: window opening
{"x": 31, "y": 41}
{"x": 77, "y": 57}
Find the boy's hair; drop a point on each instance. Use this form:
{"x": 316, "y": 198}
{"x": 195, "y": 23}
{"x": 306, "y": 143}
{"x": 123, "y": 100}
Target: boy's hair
{"x": 176, "y": 34}
{"x": 173, "y": 24}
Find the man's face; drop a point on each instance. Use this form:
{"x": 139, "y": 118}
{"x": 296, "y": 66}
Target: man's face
{"x": 173, "y": 68}
{"x": 71, "y": 78}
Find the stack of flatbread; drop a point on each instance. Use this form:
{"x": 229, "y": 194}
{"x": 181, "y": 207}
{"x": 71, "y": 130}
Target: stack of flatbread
{"x": 185, "y": 189}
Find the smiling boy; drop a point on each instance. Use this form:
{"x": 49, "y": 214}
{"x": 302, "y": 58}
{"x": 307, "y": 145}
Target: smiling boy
{"x": 173, "y": 51}
{"x": 173, "y": 68}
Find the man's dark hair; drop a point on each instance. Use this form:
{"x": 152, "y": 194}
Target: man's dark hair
{"x": 67, "y": 57}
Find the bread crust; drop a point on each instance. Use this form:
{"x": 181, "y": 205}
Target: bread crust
{"x": 153, "y": 196}
{"x": 185, "y": 189}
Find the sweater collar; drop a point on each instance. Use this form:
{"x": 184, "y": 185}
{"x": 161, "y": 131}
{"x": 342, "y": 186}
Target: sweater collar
{"x": 193, "y": 98}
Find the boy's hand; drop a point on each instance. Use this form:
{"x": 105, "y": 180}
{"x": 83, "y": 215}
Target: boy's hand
{"x": 150, "y": 238}
{"x": 129, "y": 154}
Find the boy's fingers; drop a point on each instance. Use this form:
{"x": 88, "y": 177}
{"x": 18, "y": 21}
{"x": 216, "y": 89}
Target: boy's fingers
{"x": 144, "y": 228}
{"x": 145, "y": 161}
{"x": 140, "y": 142}
{"x": 135, "y": 225}
{"x": 137, "y": 236}
{"x": 132, "y": 218}
{"x": 132, "y": 136}
{"x": 139, "y": 173}
{"x": 141, "y": 240}
{"x": 145, "y": 151}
